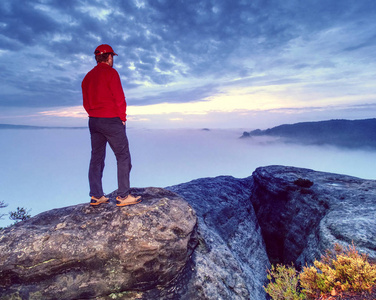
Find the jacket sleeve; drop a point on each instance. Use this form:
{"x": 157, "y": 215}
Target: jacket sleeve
{"x": 118, "y": 93}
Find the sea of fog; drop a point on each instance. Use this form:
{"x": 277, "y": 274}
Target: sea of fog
{"x": 47, "y": 168}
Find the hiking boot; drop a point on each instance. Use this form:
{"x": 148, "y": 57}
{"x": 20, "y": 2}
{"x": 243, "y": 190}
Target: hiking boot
{"x": 129, "y": 200}
{"x": 97, "y": 201}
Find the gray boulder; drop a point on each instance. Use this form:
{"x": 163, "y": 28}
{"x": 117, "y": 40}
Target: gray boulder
{"x": 299, "y": 221}
{"x": 230, "y": 261}
{"x": 105, "y": 252}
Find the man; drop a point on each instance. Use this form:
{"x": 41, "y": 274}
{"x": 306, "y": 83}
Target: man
{"x": 104, "y": 101}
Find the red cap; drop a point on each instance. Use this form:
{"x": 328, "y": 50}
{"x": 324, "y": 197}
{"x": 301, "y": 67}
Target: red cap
{"x": 104, "y": 48}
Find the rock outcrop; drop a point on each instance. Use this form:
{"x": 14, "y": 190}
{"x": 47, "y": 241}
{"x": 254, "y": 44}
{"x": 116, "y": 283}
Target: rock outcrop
{"x": 105, "y": 252}
{"x": 230, "y": 261}
{"x": 304, "y": 212}
{"x": 216, "y": 247}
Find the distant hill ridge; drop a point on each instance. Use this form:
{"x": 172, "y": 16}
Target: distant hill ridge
{"x": 10, "y": 126}
{"x": 343, "y": 133}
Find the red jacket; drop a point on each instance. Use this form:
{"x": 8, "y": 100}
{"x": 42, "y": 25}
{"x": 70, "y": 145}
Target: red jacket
{"x": 103, "y": 95}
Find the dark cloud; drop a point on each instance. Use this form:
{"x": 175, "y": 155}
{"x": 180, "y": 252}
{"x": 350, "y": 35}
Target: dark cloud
{"x": 370, "y": 42}
{"x": 177, "y": 96}
{"x": 160, "y": 42}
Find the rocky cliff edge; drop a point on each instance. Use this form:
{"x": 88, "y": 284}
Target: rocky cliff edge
{"x": 304, "y": 212}
{"x": 216, "y": 247}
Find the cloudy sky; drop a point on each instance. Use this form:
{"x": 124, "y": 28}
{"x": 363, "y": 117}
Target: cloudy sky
{"x": 207, "y": 63}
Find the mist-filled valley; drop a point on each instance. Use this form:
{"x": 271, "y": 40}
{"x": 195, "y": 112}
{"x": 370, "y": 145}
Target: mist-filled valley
{"x": 47, "y": 168}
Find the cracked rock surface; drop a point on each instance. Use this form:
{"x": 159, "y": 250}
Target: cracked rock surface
{"x": 230, "y": 261}
{"x": 299, "y": 223}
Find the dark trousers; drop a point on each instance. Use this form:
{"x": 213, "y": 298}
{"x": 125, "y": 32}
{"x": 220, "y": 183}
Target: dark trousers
{"x": 111, "y": 130}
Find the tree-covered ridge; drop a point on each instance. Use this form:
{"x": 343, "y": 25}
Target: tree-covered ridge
{"x": 343, "y": 133}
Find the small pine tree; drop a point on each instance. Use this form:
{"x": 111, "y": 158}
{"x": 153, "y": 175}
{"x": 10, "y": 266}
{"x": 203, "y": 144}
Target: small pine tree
{"x": 21, "y": 214}
{"x": 2, "y": 205}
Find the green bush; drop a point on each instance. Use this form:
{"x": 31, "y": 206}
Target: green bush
{"x": 283, "y": 283}
{"x": 339, "y": 270}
